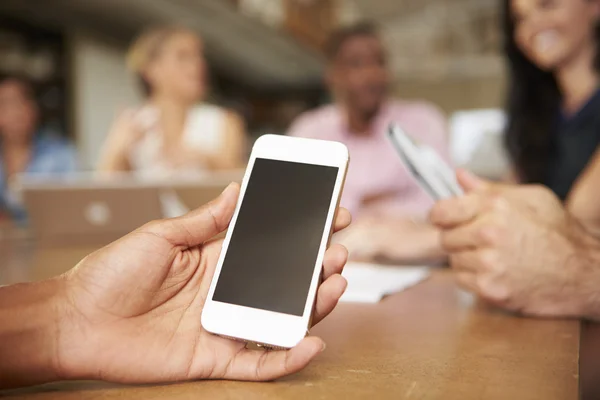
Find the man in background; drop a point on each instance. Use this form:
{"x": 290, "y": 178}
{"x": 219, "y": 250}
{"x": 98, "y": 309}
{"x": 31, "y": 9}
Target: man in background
{"x": 388, "y": 205}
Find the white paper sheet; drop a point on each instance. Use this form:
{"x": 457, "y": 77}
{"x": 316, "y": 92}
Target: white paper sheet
{"x": 369, "y": 283}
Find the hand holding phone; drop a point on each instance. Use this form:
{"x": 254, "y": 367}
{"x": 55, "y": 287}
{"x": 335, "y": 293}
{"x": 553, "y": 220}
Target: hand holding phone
{"x": 268, "y": 273}
{"x": 130, "y": 312}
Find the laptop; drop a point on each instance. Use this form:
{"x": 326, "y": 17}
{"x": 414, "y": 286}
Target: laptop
{"x": 86, "y": 210}
{"x": 81, "y": 214}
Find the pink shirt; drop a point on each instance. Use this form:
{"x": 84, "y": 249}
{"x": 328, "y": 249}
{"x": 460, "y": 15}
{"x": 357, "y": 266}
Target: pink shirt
{"x": 377, "y": 179}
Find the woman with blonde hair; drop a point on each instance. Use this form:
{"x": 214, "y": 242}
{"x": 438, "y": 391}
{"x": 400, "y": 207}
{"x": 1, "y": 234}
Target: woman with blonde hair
{"x": 173, "y": 132}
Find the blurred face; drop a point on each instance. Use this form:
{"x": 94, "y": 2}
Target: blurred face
{"x": 179, "y": 69}
{"x": 551, "y": 33}
{"x": 359, "y": 76}
{"x": 18, "y": 112}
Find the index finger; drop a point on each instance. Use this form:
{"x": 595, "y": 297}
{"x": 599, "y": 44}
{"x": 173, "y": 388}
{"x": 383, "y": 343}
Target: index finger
{"x": 342, "y": 220}
{"x": 455, "y": 211}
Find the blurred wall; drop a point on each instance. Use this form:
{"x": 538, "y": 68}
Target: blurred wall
{"x": 102, "y": 87}
{"x": 454, "y": 95}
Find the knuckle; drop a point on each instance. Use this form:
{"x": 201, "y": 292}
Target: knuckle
{"x": 539, "y": 190}
{"x": 494, "y": 291}
{"x": 464, "y": 207}
{"x": 497, "y": 203}
{"x": 501, "y": 222}
{"x": 437, "y": 212}
{"x": 489, "y": 235}
{"x": 486, "y": 261}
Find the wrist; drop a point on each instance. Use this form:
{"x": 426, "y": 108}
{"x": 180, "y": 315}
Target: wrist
{"x": 30, "y": 322}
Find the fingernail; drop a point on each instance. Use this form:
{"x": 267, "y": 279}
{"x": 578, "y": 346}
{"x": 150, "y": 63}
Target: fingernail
{"x": 345, "y": 286}
{"x": 227, "y": 189}
{"x": 323, "y": 347}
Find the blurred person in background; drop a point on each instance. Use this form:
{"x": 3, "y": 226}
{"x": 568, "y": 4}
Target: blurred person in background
{"x": 25, "y": 146}
{"x": 554, "y": 99}
{"x": 173, "y": 132}
{"x": 388, "y": 205}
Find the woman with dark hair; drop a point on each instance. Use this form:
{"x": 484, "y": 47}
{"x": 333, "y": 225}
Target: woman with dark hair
{"x": 174, "y": 131}
{"x": 554, "y": 98}
{"x": 25, "y": 146}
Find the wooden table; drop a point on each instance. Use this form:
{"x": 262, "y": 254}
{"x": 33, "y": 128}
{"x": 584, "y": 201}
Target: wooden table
{"x": 430, "y": 342}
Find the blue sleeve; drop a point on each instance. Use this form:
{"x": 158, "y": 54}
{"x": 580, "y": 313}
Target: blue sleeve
{"x": 68, "y": 159}
{"x": 54, "y": 156}
{"x": 59, "y": 158}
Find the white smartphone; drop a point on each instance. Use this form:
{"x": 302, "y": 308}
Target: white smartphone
{"x": 266, "y": 279}
{"x": 435, "y": 176}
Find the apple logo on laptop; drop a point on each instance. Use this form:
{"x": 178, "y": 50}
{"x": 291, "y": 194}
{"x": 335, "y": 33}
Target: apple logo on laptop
{"x": 97, "y": 213}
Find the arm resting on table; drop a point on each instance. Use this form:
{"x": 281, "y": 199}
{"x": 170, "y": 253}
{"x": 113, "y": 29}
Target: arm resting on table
{"x": 30, "y": 316}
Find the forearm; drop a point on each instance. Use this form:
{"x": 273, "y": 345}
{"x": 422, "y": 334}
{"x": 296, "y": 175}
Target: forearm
{"x": 231, "y": 153}
{"x": 113, "y": 159}
{"x": 29, "y": 331}
{"x": 215, "y": 161}
{"x": 415, "y": 242}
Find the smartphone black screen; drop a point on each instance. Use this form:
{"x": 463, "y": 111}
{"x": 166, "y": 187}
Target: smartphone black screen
{"x": 275, "y": 242}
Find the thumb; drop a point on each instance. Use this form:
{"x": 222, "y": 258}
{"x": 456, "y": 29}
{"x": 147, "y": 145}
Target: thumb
{"x": 202, "y": 224}
{"x": 469, "y": 181}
